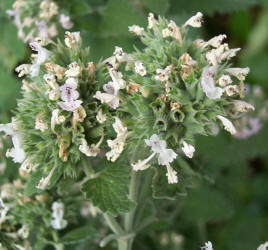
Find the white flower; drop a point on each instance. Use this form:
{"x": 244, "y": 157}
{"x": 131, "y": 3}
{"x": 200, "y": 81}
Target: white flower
{"x": 162, "y": 75}
{"x": 195, "y": 21}
{"x": 215, "y": 41}
{"x": 165, "y": 156}
{"x": 239, "y": 73}
{"x": 140, "y": 69}
{"x": 263, "y": 246}
{"x": 228, "y": 125}
{"x": 221, "y": 53}
{"x": 93, "y": 150}
{"x": 48, "y": 9}
{"x": 151, "y": 21}
{"x": 117, "y": 145}
{"x": 242, "y": 106}
{"x": 225, "y": 80}
{"x": 72, "y": 39}
{"x": 44, "y": 182}
{"x": 119, "y": 55}
{"x": 40, "y": 124}
{"x": 17, "y": 152}
{"x": 3, "y": 211}
{"x": 117, "y": 78}
{"x": 231, "y": 90}
{"x": 42, "y": 55}
{"x": 101, "y": 118}
{"x": 173, "y": 31}
{"x": 159, "y": 146}
{"x": 118, "y": 58}
{"x": 56, "y": 119}
{"x": 27, "y": 166}
{"x": 135, "y": 29}
{"x": 73, "y": 70}
{"x": 171, "y": 175}
{"x": 23, "y": 69}
{"x": 110, "y": 99}
{"x": 208, "y": 84}
{"x": 208, "y": 246}
{"x": 66, "y": 22}
{"x": 58, "y": 222}
{"x": 142, "y": 165}
{"x": 188, "y": 149}
{"x": 23, "y": 232}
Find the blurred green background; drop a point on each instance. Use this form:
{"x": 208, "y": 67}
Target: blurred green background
{"x": 230, "y": 207}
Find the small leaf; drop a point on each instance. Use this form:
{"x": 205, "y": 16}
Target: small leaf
{"x": 78, "y": 235}
{"x": 109, "y": 191}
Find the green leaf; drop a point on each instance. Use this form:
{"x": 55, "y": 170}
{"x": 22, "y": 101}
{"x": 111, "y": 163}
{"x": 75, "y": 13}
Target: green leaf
{"x": 205, "y": 204}
{"x": 118, "y": 15}
{"x": 209, "y": 7}
{"x": 163, "y": 190}
{"x": 158, "y": 6}
{"x": 78, "y": 235}
{"x": 109, "y": 190}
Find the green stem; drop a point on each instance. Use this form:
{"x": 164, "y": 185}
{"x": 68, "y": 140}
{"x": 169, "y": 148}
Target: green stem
{"x": 142, "y": 197}
{"x": 115, "y": 227}
{"x": 129, "y": 217}
{"x": 87, "y": 167}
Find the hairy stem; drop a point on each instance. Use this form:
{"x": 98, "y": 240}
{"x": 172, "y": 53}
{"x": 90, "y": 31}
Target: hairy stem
{"x": 114, "y": 226}
{"x": 129, "y": 217}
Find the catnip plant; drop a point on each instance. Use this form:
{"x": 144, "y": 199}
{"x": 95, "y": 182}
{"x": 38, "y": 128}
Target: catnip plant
{"x": 98, "y": 142}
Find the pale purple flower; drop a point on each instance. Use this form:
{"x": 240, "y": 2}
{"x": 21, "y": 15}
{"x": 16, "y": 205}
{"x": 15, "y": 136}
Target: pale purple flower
{"x": 42, "y": 29}
{"x": 110, "y": 97}
{"x": 42, "y": 56}
{"x": 66, "y": 22}
{"x": 253, "y": 127}
{"x": 69, "y": 95}
{"x": 68, "y": 90}
{"x": 208, "y": 83}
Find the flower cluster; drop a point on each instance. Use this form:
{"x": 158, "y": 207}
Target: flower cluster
{"x": 41, "y": 18}
{"x": 188, "y": 87}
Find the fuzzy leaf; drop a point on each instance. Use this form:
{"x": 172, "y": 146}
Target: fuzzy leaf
{"x": 163, "y": 190}
{"x": 109, "y": 191}
{"x": 78, "y": 235}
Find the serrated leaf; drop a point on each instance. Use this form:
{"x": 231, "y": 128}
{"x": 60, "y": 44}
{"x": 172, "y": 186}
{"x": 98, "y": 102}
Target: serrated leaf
{"x": 78, "y": 235}
{"x": 158, "y": 6}
{"x": 209, "y": 7}
{"x": 109, "y": 191}
{"x": 118, "y": 15}
{"x": 163, "y": 190}
{"x": 206, "y": 204}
